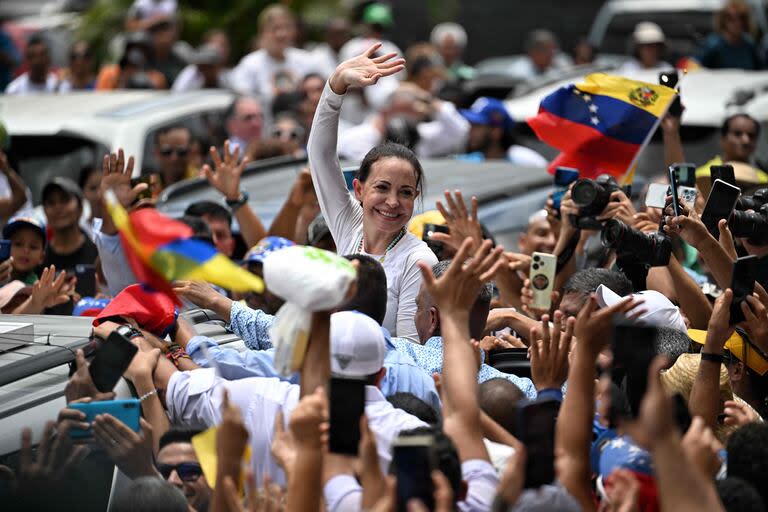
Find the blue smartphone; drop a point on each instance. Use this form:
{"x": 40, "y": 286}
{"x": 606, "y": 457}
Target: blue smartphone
{"x": 5, "y": 250}
{"x": 127, "y": 411}
{"x": 350, "y": 173}
{"x": 564, "y": 176}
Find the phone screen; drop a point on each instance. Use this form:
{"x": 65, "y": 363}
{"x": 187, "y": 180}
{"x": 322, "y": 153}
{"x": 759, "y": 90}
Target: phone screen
{"x": 347, "y": 404}
{"x": 722, "y": 199}
{"x": 5, "y": 250}
{"x": 742, "y": 284}
{"x": 564, "y": 176}
{"x": 412, "y": 460}
{"x": 350, "y": 173}
{"x": 633, "y": 350}
{"x": 127, "y": 411}
{"x": 111, "y": 360}
{"x": 536, "y": 430}
{"x": 86, "y": 280}
{"x": 686, "y": 175}
{"x": 722, "y": 172}
{"x": 673, "y": 190}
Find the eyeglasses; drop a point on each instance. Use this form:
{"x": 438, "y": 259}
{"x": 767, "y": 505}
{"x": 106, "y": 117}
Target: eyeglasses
{"x": 277, "y": 133}
{"x": 168, "y": 151}
{"x": 187, "y": 471}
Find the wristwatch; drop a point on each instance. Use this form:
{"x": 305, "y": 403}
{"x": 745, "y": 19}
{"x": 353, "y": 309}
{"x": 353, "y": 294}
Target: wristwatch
{"x": 128, "y": 332}
{"x": 237, "y": 203}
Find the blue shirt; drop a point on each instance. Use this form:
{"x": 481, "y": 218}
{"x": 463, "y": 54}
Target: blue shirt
{"x": 403, "y": 374}
{"x": 717, "y": 53}
{"x": 9, "y": 49}
{"x": 430, "y": 357}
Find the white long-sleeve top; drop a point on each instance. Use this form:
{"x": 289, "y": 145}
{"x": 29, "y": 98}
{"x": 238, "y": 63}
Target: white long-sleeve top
{"x": 344, "y": 216}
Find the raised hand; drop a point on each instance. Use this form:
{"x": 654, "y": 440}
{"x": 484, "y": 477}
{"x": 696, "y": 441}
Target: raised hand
{"x": 80, "y": 384}
{"x": 116, "y": 175}
{"x": 142, "y": 365}
{"x": 593, "y": 326}
{"x": 756, "y": 316}
{"x": 364, "y": 70}
{"x": 702, "y": 447}
{"x": 50, "y": 290}
{"x": 54, "y": 458}
{"x": 549, "y": 352}
{"x": 462, "y": 224}
{"x": 307, "y": 419}
{"x": 688, "y": 225}
{"x": 199, "y": 293}
{"x": 739, "y": 414}
{"x": 526, "y": 297}
{"x": 623, "y": 491}
{"x": 719, "y": 328}
{"x": 655, "y": 420}
{"x": 283, "y": 447}
{"x": 619, "y": 207}
{"x": 131, "y": 452}
{"x": 226, "y": 179}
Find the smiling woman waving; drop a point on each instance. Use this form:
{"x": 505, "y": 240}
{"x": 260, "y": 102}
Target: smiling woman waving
{"x": 388, "y": 182}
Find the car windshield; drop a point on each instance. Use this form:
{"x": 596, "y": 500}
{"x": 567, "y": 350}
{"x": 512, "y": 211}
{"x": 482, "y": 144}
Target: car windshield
{"x": 684, "y": 31}
{"x": 38, "y": 158}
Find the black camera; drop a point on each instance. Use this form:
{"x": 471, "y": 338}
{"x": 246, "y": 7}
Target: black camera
{"x": 652, "y": 249}
{"x": 753, "y": 202}
{"x": 592, "y": 196}
{"x": 751, "y": 225}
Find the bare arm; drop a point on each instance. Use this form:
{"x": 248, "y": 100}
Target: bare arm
{"x": 316, "y": 369}
{"x": 673, "y": 145}
{"x": 302, "y": 193}
{"x": 692, "y": 301}
{"x": 18, "y": 189}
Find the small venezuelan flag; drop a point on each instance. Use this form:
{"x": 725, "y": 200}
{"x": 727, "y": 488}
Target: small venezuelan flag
{"x": 161, "y": 250}
{"x": 600, "y": 126}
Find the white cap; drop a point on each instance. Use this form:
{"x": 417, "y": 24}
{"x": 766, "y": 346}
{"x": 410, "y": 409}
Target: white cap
{"x": 357, "y": 345}
{"x": 647, "y": 32}
{"x": 660, "y": 312}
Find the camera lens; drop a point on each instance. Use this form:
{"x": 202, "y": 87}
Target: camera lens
{"x": 613, "y": 233}
{"x": 535, "y": 266}
{"x": 536, "y": 258}
{"x": 584, "y": 192}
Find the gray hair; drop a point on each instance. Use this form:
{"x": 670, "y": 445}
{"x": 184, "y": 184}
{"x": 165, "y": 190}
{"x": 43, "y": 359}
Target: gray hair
{"x": 539, "y": 38}
{"x": 442, "y": 30}
{"x": 439, "y": 268}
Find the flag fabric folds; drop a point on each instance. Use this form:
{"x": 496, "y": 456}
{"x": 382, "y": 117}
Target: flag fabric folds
{"x": 161, "y": 250}
{"x": 600, "y": 126}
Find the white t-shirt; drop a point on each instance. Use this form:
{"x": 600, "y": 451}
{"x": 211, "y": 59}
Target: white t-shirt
{"x": 23, "y": 85}
{"x": 521, "y": 155}
{"x": 191, "y": 79}
{"x": 344, "y": 216}
{"x": 256, "y": 72}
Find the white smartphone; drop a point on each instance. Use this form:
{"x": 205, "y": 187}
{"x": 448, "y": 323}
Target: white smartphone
{"x": 658, "y": 192}
{"x": 688, "y": 195}
{"x": 542, "y": 276}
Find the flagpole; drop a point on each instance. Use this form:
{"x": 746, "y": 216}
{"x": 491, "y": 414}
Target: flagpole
{"x": 647, "y": 139}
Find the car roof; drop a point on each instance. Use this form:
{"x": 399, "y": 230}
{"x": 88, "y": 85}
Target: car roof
{"x": 697, "y": 90}
{"x": 663, "y": 5}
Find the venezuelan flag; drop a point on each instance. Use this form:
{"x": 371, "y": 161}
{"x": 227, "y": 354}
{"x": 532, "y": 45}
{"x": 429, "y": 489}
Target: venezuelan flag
{"x": 600, "y": 126}
{"x": 161, "y": 250}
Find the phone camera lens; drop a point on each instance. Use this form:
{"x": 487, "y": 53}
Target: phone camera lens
{"x": 536, "y": 258}
{"x": 535, "y": 266}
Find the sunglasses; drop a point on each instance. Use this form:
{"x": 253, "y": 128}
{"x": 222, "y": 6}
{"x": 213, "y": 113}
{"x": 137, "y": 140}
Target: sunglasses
{"x": 168, "y": 151}
{"x": 187, "y": 471}
{"x": 286, "y": 134}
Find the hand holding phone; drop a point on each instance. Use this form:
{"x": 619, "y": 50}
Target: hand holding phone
{"x": 742, "y": 285}
{"x": 413, "y": 463}
{"x": 542, "y": 275}
{"x": 633, "y": 349}
{"x": 722, "y": 172}
{"x": 110, "y": 361}
{"x": 721, "y": 202}
{"x": 347, "y": 405}
{"x": 127, "y": 411}
{"x": 673, "y": 190}
{"x": 5, "y": 250}
{"x": 564, "y": 176}
{"x": 536, "y": 430}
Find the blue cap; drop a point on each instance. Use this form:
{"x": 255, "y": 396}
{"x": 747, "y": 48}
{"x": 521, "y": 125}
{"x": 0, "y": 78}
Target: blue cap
{"x": 90, "y": 306}
{"x": 270, "y": 244}
{"x": 622, "y": 452}
{"x": 489, "y": 112}
{"x": 23, "y": 221}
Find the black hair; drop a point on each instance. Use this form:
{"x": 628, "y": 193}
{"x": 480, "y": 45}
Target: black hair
{"x": 150, "y": 494}
{"x": 210, "y": 208}
{"x": 287, "y": 102}
{"x": 309, "y": 76}
{"x": 497, "y": 397}
{"x": 85, "y": 173}
{"x": 200, "y": 229}
{"x": 671, "y": 342}
{"x": 726, "y": 126}
{"x": 177, "y": 435}
{"x": 391, "y": 150}
{"x": 37, "y": 39}
{"x": 738, "y": 495}
{"x": 371, "y": 296}
{"x": 444, "y": 454}
{"x": 748, "y": 456}
{"x": 415, "y": 406}
{"x": 167, "y": 129}
{"x": 402, "y": 131}
{"x": 587, "y": 280}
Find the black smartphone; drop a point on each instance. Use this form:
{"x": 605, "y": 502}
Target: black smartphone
{"x": 564, "y": 176}
{"x": 86, "y": 280}
{"x": 742, "y": 284}
{"x": 347, "y": 404}
{"x": 671, "y": 79}
{"x": 722, "y": 172}
{"x": 536, "y": 430}
{"x": 673, "y": 190}
{"x": 111, "y": 360}
{"x": 682, "y": 414}
{"x": 720, "y": 203}
{"x": 433, "y": 228}
{"x": 633, "y": 349}
{"x": 413, "y": 463}
{"x": 686, "y": 174}
{"x": 5, "y": 250}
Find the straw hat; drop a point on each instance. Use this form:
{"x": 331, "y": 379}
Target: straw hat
{"x": 747, "y": 178}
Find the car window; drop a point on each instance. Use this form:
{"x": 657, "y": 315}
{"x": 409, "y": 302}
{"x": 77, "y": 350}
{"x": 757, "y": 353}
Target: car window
{"x": 206, "y": 129}
{"x": 38, "y": 158}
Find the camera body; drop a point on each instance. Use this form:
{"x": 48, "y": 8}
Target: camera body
{"x": 592, "y": 196}
{"x": 650, "y": 249}
{"x": 752, "y": 225}
{"x": 753, "y": 202}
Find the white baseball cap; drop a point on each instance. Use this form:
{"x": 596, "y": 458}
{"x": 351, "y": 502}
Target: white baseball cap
{"x": 357, "y": 345}
{"x": 660, "y": 312}
{"x": 648, "y": 32}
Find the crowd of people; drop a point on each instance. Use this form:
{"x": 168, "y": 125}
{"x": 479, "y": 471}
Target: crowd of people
{"x": 635, "y": 382}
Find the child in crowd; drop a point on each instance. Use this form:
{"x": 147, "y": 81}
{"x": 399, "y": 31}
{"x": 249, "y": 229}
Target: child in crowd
{"x": 28, "y": 240}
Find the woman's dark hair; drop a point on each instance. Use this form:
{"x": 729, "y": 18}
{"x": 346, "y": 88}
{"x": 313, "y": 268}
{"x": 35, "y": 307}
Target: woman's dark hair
{"x": 391, "y": 150}
{"x": 85, "y": 173}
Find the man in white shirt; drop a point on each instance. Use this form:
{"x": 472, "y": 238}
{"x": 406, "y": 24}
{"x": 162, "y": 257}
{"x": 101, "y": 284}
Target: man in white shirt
{"x": 39, "y": 78}
{"x": 244, "y": 122}
{"x": 204, "y": 71}
{"x": 542, "y": 57}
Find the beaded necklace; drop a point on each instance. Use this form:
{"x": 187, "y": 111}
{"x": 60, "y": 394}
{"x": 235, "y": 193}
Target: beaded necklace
{"x": 391, "y": 245}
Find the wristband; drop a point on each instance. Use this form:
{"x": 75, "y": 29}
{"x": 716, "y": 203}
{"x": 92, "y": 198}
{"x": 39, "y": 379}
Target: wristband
{"x": 147, "y": 395}
{"x": 712, "y": 358}
{"x": 237, "y": 203}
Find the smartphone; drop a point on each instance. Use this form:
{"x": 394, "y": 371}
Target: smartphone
{"x": 657, "y": 195}
{"x": 413, "y": 464}
{"x": 127, "y": 411}
{"x": 86, "y": 280}
{"x": 742, "y": 284}
{"x": 688, "y": 195}
{"x": 5, "y": 250}
{"x": 673, "y": 190}
{"x": 722, "y": 172}
{"x": 145, "y": 194}
{"x": 564, "y": 176}
{"x": 433, "y": 228}
{"x": 347, "y": 404}
{"x": 542, "y": 275}
{"x": 633, "y": 347}
{"x": 111, "y": 360}
{"x": 350, "y": 173}
{"x": 686, "y": 174}
{"x": 536, "y": 430}
{"x": 721, "y": 202}
{"x": 671, "y": 79}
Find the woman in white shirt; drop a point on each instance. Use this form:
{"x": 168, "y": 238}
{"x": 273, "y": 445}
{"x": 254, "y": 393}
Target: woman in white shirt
{"x": 389, "y": 180}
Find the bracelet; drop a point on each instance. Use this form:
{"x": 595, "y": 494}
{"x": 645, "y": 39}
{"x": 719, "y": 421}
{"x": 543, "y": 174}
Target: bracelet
{"x": 147, "y": 395}
{"x": 712, "y": 358}
{"x": 237, "y": 203}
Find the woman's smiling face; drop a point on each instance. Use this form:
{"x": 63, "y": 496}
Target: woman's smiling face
{"x": 388, "y": 194}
